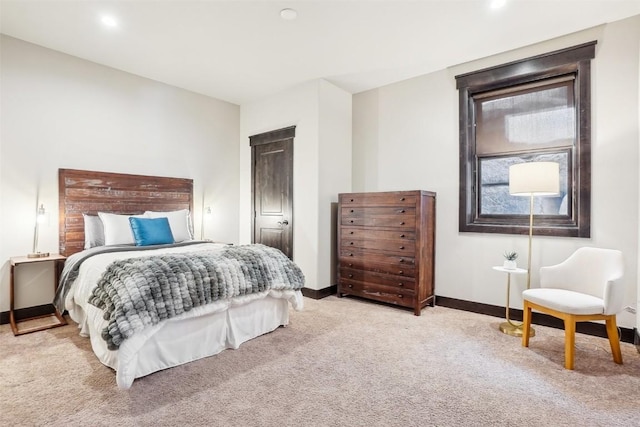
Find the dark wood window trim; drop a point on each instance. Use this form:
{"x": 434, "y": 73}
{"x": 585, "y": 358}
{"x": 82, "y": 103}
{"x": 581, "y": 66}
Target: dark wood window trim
{"x": 574, "y": 61}
{"x": 272, "y": 136}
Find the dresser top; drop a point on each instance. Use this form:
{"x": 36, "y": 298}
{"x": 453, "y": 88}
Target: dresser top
{"x": 391, "y": 193}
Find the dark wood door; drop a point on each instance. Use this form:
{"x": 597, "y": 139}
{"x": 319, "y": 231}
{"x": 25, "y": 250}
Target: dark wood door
{"x": 272, "y": 204}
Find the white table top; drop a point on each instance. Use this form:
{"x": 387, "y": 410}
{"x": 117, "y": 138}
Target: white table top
{"x": 25, "y": 259}
{"x": 510, "y": 270}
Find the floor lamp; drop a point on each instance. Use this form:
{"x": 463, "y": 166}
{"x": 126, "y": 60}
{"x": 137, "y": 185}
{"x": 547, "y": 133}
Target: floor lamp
{"x": 533, "y": 179}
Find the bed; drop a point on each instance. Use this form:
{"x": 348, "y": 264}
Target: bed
{"x": 191, "y": 299}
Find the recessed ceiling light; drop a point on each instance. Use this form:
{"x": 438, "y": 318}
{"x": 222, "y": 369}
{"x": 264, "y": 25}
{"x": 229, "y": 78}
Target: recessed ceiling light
{"x": 109, "y": 21}
{"x": 288, "y": 14}
{"x": 497, "y": 4}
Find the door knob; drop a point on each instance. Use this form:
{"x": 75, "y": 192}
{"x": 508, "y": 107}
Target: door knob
{"x": 283, "y": 222}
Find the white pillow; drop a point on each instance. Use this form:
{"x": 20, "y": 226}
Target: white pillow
{"x": 93, "y": 231}
{"x": 178, "y": 221}
{"x": 117, "y": 229}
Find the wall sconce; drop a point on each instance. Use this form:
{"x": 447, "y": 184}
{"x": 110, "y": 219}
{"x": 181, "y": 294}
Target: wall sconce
{"x": 41, "y": 218}
{"x": 206, "y": 213}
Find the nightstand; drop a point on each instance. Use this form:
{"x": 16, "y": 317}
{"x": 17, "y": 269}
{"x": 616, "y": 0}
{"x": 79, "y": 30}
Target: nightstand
{"x": 56, "y": 317}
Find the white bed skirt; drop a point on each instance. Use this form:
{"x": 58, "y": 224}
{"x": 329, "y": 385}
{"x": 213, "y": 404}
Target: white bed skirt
{"x": 202, "y": 332}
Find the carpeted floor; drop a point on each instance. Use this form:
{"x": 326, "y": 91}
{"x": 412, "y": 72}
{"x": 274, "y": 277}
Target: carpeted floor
{"x": 340, "y": 362}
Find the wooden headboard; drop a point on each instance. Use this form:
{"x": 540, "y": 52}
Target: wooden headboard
{"x": 92, "y": 192}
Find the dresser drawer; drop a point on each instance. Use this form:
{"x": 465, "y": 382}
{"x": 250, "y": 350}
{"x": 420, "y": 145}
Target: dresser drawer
{"x": 378, "y": 199}
{"x": 399, "y": 247}
{"x": 359, "y": 212}
{"x": 379, "y": 217}
{"x": 402, "y": 283}
{"x": 398, "y": 269}
{"x": 403, "y": 297}
{"x": 351, "y": 254}
{"x": 375, "y": 234}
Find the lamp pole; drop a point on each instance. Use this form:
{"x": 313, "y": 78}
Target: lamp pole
{"x": 530, "y": 238}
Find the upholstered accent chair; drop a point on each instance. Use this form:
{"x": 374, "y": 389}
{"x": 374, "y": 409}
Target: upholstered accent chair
{"x": 586, "y": 286}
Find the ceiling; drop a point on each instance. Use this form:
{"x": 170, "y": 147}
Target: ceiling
{"x": 240, "y": 51}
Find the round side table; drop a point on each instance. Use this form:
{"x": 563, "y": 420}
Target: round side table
{"x": 508, "y": 327}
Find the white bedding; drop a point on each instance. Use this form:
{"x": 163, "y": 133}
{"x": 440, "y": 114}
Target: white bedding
{"x": 203, "y": 331}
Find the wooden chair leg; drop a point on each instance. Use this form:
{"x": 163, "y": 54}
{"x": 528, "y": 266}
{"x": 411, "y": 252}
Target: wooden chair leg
{"x": 569, "y": 341}
{"x": 612, "y": 333}
{"x": 526, "y": 323}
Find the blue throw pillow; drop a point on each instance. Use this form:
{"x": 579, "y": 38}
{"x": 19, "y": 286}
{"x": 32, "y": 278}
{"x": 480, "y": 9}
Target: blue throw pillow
{"x": 151, "y": 231}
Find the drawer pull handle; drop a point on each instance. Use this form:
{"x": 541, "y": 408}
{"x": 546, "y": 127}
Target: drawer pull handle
{"x": 351, "y": 286}
{"x": 351, "y": 232}
{"x": 351, "y": 211}
{"x": 350, "y": 254}
{"x": 351, "y": 243}
{"x": 400, "y": 284}
{"x": 401, "y": 272}
{"x": 399, "y": 295}
{"x": 402, "y": 211}
{"x": 401, "y": 222}
{"x": 402, "y": 236}
{"x": 351, "y": 221}
{"x": 401, "y": 260}
{"x": 351, "y": 276}
{"x": 401, "y": 247}
{"x": 350, "y": 265}
{"x": 352, "y": 200}
{"x": 402, "y": 199}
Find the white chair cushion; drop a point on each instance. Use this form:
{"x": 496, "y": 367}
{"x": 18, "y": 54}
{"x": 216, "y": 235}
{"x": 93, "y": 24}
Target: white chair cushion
{"x": 565, "y": 301}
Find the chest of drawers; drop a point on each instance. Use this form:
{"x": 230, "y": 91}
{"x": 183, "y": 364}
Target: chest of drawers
{"x": 386, "y": 247}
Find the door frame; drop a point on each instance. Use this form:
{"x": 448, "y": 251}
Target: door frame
{"x": 266, "y": 138}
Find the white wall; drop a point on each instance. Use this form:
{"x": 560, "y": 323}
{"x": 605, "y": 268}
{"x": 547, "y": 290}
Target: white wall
{"x": 322, "y": 115}
{"x": 615, "y": 150}
{"x": 638, "y": 278}
{"x": 406, "y": 137}
{"x": 334, "y": 162}
{"x": 365, "y": 141}
{"x": 60, "y": 111}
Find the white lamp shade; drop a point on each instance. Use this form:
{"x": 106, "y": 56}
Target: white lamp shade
{"x": 534, "y": 178}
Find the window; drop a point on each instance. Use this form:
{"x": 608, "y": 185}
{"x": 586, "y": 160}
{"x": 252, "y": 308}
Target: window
{"x": 536, "y": 109}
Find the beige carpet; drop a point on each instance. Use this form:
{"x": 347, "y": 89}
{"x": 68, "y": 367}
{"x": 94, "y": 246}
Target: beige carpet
{"x": 341, "y": 362}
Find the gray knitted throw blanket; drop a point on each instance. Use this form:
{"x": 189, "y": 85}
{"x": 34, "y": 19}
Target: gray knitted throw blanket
{"x": 138, "y": 292}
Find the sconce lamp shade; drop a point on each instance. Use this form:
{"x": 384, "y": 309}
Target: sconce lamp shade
{"x": 206, "y": 214}
{"x": 41, "y": 218}
{"x": 534, "y": 179}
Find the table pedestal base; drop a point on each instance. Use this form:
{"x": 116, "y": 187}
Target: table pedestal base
{"x": 515, "y": 330}
{"x": 508, "y": 327}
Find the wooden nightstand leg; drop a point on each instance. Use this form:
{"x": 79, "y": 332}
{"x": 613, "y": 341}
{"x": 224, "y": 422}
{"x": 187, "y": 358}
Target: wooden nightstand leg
{"x": 12, "y": 318}
{"x": 57, "y": 270}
